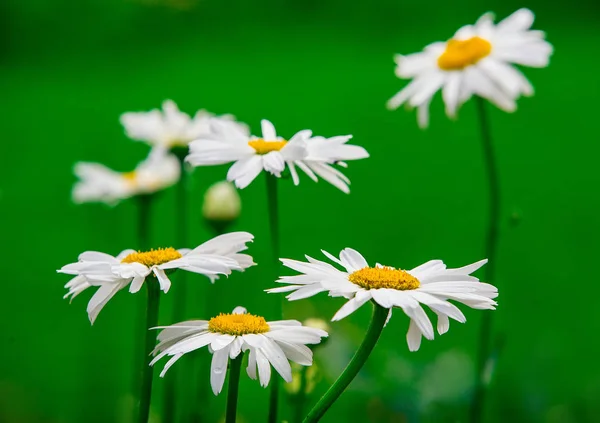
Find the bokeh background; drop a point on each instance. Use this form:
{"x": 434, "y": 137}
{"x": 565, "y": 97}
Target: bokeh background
{"x": 69, "y": 69}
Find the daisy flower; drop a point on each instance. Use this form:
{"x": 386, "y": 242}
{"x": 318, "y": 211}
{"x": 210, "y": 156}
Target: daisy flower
{"x": 218, "y": 256}
{"x": 272, "y": 153}
{"x": 170, "y": 127}
{"x": 229, "y": 335}
{"x": 430, "y": 284}
{"x": 477, "y": 60}
{"x": 98, "y": 183}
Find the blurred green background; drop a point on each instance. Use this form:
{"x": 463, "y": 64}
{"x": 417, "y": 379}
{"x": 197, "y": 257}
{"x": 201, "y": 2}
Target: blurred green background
{"x": 69, "y": 69}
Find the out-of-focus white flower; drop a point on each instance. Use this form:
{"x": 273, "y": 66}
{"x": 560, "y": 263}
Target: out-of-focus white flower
{"x": 218, "y": 256}
{"x": 229, "y": 335}
{"x": 170, "y": 127}
{"x": 272, "y": 153}
{"x": 477, "y": 60}
{"x": 222, "y": 203}
{"x": 431, "y": 284}
{"x": 98, "y": 183}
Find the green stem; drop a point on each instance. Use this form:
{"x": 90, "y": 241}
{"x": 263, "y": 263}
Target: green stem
{"x": 232, "y": 391}
{"x": 357, "y": 362}
{"x": 301, "y": 396}
{"x": 273, "y": 215}
{"x": 180, "y": 294}
{"x": 490, "y": 252}
{"x": 144, "y": 206}
{"x": 147, "y": 370}
{"x": 274, "y": 229}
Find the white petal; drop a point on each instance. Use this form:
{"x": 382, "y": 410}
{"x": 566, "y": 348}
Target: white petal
{"x": 170, "y": 363}
{"x": 450, "y": 93}
{"x": 218, "y": 370}
{"x": 100, "y": 298}
{"x": 443, "y": 323}
{"x": 413, "y": 336}
{"x": 251, "y": 369}
{"x": 251, "y": 168}
{"x": 163, "y": 279}
{"x": 352, "y": 305}
{"x": 264, "y": 368}
{"x": 268, "y": 130}
{"x": 277, "y": 358}
{"x": 520, "y": 20}
{"x": 352, "y": 260}
{"x": 298, "y": 353}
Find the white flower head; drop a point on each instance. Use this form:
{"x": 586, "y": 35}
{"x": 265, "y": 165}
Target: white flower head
{"x": 477, "y": 60}
{"x": 431, "y": 284}
{"x": 272, "y": 153}
{"x": 98, "y": 183}
{"x": 218, "y": 256}
{"x": 229, "y": 335}
{"x": 171, "y": 127}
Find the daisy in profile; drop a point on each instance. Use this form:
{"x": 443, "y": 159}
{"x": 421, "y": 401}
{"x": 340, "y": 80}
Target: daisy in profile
{"x": 228, "y": 336}
{"x": 272, "y": 153}
{"x": 430, "y": 284}
{"x": 98, "y": 183}
{"x": 218, "y": 256}
{"x": 170, "y": 128}
{"x": 477, "y": 60}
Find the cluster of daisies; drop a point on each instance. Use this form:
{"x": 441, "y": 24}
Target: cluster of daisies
{"x": 276, "y": 343}
{"x": 477, "y": 60}
{"x": 207, "y": 139}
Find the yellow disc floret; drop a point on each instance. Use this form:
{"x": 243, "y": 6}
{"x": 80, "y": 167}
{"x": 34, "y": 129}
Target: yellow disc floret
{"x": 462, "y": 53}
{"x": 384, "y": 277}
{"x": 238, "y": 324}
{"x": 263, "y": 147}
{"x": 153, "y": 257}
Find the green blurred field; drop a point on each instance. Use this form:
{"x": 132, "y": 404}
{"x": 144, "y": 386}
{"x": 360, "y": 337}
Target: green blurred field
{"x": 68, "y": 70}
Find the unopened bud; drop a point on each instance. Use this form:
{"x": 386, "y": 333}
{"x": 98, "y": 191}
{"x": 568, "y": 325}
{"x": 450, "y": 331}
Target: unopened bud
{"x": 316, "y": 323}
{"x": 222, "y": 203}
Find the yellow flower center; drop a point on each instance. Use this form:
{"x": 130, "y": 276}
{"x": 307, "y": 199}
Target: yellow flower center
{"x": 238, "y": 324}
{"x": 130, "y": 176}
{"x": 384, "y": 277}
{"x": 263, "y": 147}
{"x": 462, "y": 53}
{"x": 153, "y": 257}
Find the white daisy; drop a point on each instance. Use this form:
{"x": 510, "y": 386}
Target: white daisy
{"x": 321, "y": 154}
{"x": 218, "y": 256}
{"x": 229, "y": 335}
{"x": 431, "y": 284}
{"x": 170, "y": 127}
{"x": 477, "y": 60}
{"x": 250, "y": 154}
{"x": 272, "y": 153}
{"x": 98, "y": 183}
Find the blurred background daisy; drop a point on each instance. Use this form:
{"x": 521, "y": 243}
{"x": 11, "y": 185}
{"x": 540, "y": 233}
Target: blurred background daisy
{"x": 69, "y": 70}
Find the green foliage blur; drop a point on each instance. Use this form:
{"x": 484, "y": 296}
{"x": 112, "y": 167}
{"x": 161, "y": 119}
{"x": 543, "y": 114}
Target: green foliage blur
{"x": 69, "y": 69}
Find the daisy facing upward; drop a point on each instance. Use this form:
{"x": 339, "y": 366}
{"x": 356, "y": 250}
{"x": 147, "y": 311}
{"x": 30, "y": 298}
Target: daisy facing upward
{"x": 430, "y": 284}
{"x": 228, "y": 336}
{"x": 478, "y": 60}
{"x": 272, "y": 153}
